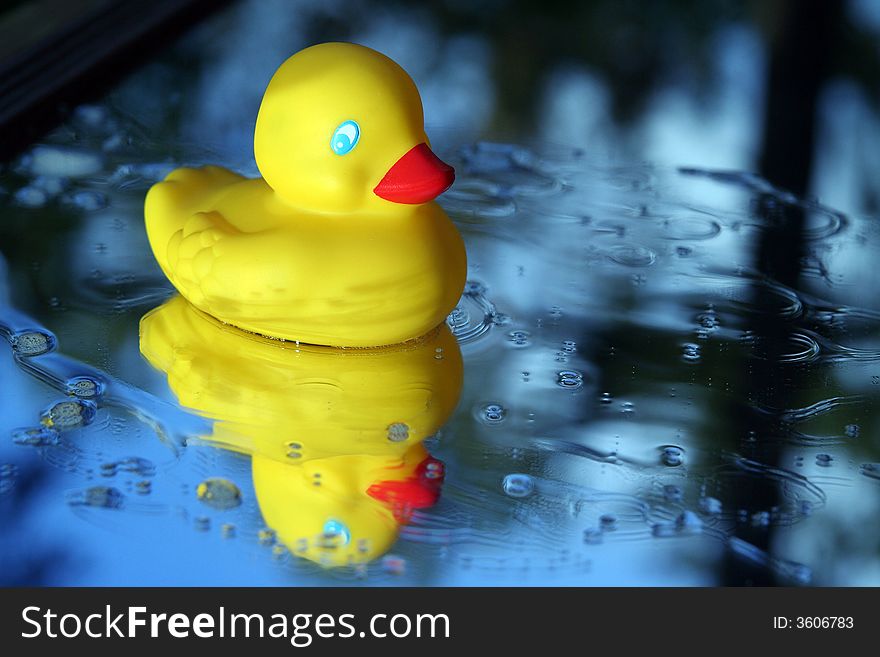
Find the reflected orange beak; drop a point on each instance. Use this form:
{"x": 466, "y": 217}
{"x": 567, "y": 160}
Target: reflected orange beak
{"x": 417, "y": 177}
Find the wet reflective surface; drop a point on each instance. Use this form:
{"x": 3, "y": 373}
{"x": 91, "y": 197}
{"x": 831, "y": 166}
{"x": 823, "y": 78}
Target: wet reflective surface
{"x": 670, "y": 377}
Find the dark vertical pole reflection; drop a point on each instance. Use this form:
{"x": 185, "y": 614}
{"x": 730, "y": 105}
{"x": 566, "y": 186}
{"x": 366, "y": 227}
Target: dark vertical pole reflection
{"x": 802, "y": 46}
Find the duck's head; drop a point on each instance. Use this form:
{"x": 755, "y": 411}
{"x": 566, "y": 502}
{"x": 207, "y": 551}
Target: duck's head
{"x": 341, "y": 129}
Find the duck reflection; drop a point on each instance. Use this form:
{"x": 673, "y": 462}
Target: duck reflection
{"x": 335, "y": 435}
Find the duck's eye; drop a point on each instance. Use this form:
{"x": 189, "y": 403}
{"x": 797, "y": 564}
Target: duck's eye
{"x": 345, "y": 137}
{"x": 334, "y": 529}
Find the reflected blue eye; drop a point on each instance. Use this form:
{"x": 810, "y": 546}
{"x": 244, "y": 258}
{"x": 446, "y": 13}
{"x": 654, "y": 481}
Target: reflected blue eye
{"x": 335, "y": 528}
{"x": 345, "y": 137}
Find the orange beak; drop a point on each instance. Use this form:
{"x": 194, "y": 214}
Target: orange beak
{"x": 417, "y": 177}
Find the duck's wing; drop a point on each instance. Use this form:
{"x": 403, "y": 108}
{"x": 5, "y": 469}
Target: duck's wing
{"x": 196, "y": 254}
{"x": 186, "y": 229}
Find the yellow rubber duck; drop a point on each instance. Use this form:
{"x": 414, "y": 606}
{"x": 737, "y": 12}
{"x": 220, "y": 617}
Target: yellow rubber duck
{"x": 339, "y": 243}
{"x": 334, "y": 434}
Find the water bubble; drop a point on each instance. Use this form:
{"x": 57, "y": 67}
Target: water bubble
{"x": 501, "y": 319}
{"x": 69, "y": 414}
{"x": 227, "y": 530}
{"x": 31, "y": 197}
{"x": 518, "y": 485}
{"x": 492, "y": 413}
{"x": 672, "y": 493}
{"x": 852, "y": 430}
{"x": 671, "y": 455}
{"x": 64, "y": 162}
{"x": 569, "y": 346}
{"x": 570, "y": 379}
{"x": 592, "y": 536}
{"x": 88, "y": 200}
{"x": 143, "y": 487}
{"x": 219, "y": 493}
{"x": 334, "y": 534}
{"x": 606, "y": 398}
{"x": 104, "y": 497}
{"x": 708, "y": 320}
{"x": 608, "y": 522}
{"x": 664, "y": 530}
{"x": 824, "y": 460}
{"x": 202, "y": 523}
{"x": 707, "y": 324}
{"x": 397, "y": 432}
{"x": 32, "y": 343}
{"x": 434, "y": 469}
{"x": 627, "y": 407}
{"x": 136, "y": 465}
{"x": 690, "y": 352}
{"x": 90, "y": 115}
{"x": 474, "y": 288}
{"x": 266, "y": 536}
{"x": 710, "y": 505}
{"x": 36, "y": 437}
{"x": 688, "y": 522}
{"x": 84, "y": 387}
{"x": 393, "y": 565}
{"x": 519, "y": 338}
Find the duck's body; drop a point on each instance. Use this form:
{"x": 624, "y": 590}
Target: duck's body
{"x": 332, "y": 246}
{"x": 238, "y": 253}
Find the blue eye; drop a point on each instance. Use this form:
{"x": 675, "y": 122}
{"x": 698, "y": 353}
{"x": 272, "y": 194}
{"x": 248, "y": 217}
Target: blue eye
{"x": 335, "y": 528}
{"x": 345, "y": 137}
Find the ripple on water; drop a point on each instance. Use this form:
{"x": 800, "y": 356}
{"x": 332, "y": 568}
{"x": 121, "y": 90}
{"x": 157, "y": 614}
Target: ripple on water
{"x": 36, "y": 436}
{"x": 870, "y": 470}
{"x": 794, "y": 348}
{"x": 761, "y": 297}
{"x": 632, "y": 255}
{"x": 821, "y": 222}
{"x": 691, "y": 228}
{"x": 474, "y": 315}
